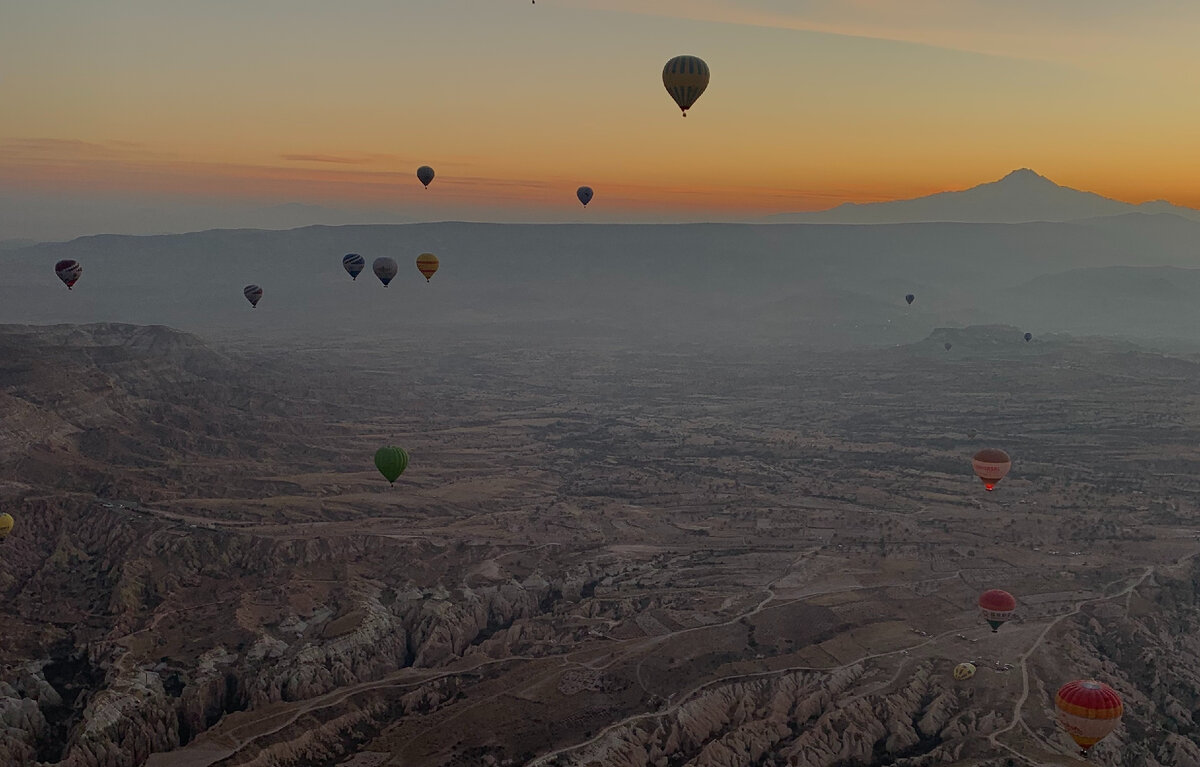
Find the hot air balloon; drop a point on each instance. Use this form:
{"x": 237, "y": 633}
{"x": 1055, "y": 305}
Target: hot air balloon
{"x": 425, "y": 175}
{"x": 427, "y": 264}
{"x": 990, "y": 466}
{"x": 385, "y": 269}
{"x": 391, "y": 462}
{"x": 685, "y": 77}
{"x": 948, "y": 346}
{"x": 68, "y": 270}
{"x": 997, "y": 606}
{"x": 1029, "y": 336}
{"x": 971, "y": 434}
{"x": 253, "y": 293}
{"x": 910, "y": 298}
{"x": 584, "y": 193}
{"x": 353, "y": 264}
{"x": 1088, "y": 710}
{"x": 964, "y": 671}
{"x": 6, "y": 526}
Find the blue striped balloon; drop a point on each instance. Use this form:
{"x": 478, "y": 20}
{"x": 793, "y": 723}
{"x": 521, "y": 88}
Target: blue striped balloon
{"x": 354, "y": 264}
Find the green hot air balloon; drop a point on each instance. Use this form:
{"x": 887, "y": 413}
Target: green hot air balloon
{"x": 391, "y": 462}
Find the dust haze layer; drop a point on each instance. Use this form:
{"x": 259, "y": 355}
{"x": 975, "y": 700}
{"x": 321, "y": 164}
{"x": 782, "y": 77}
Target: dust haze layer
{"x": 827, "y": 285}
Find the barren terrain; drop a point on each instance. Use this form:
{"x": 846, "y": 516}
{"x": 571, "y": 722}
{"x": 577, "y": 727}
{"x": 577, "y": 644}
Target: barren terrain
{"x": 676, "y": 555}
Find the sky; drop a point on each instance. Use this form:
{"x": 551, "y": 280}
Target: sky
{"x": 139, "y": 116}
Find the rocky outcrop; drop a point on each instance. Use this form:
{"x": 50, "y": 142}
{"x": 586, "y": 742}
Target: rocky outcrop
{"x": 800, "y": 719}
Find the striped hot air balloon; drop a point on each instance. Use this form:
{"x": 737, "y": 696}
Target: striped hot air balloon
{"x": 1088, "y": 710}
{"x": 427, "y": 264}
{"x": 990, "y": 466}
{"x": 997, "y": 606}
{"x": 353, "y": 264}
{"x": 964, "y": 671}
{"x": 68, "y": 270}
{"x": 685, "y": 78}
{"x": 253, "y": 294}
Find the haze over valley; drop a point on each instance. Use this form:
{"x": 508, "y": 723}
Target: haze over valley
{"x": 599, "y": 383}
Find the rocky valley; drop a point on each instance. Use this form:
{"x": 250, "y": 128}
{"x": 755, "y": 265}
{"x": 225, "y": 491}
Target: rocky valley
{"x": 673, "y": 555}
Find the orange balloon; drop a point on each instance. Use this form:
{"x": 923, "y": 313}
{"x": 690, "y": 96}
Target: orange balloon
{"x": 1088, "y": 710}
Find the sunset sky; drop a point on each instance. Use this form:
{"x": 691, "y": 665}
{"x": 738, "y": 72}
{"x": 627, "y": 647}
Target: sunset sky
{"x": 148, "y": 115}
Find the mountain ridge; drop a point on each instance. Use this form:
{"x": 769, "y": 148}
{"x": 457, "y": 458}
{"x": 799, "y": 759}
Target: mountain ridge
{"x": 1021, "y": 196}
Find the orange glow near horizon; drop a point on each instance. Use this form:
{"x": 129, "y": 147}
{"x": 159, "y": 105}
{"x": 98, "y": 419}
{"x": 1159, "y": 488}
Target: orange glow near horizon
{"x": 516, "y": 106}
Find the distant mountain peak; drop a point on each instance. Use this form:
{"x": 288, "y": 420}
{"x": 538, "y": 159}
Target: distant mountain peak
{"x": 1025, "y": 176}
{"x": 1021, "y": 196}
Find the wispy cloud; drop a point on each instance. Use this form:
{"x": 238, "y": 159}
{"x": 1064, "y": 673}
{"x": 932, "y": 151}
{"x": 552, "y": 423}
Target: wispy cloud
{"x": 328, "y": 158}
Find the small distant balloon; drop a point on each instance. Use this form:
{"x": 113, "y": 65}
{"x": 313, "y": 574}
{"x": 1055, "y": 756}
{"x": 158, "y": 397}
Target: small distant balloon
{"x": 584, "y": 193}
{"x": 685, "y": 78}
{"x": 253, "y": 294}
{"x": 1029, "y": 336}
{"x": 964, "y": 671}
{"x": 948, "y": 346}
{"x": 385, "y": 269}
{"x": 425, "y": 175}
{"x": 6, "y": 525}
{"x": 910, "y": 298}
{"x": 991, "y": 466}
{"x": 427, "y": 264}
{"x": 354, "y": 264}
{"x": 68, "y": 270}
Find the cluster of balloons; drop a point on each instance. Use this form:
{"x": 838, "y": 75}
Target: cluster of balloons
{"x": 1087, "y": 710}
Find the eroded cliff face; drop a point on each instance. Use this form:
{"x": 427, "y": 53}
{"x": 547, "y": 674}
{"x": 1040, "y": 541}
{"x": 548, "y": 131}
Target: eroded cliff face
{"x": 270, "y": 652}
{"x": 804, "y": 719}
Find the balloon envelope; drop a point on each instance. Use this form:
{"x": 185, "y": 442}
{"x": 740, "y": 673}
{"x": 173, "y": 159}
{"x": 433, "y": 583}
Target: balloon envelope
{"x": 948, "y": 346}
{"x": 685, "y": 78}
{"x": 68, "y": 270}
{"x": 385, "y": 269}
{"x": 910, "y": 298}
{"x": 253, "y": 293}
{"x": 425, "y": 175}
{"x": 964, "y": 671}
{"x": 1029, "y": 336}
{"x": 391, "y": 462}
{"x": 353, "y": 264}
{"x": 6, "y": 525}
{"x": 990, "y": 466}
{"x": 427, "y": 264}
{"x": 584, "y": 193}
{"x": 996, "y": 606}
{"x": 1088, "y": 710}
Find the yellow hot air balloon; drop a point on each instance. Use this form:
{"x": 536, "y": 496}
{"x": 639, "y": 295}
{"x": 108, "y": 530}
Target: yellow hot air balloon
{"x": 685, "y": 78}
{"x": 6, "y": 526}
{"x": 427, "y": 263}
{"x": 964, "y": 671}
